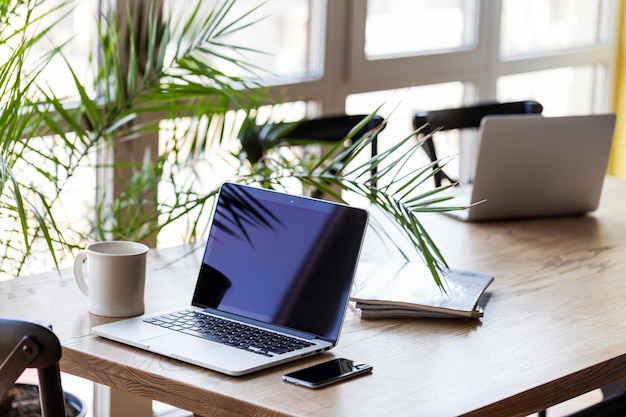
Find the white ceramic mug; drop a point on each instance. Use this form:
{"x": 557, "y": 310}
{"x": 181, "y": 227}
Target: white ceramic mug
{"x": 116, "y": 273}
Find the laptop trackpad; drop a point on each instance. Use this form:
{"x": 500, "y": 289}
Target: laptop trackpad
{"x": 180, "y": 343}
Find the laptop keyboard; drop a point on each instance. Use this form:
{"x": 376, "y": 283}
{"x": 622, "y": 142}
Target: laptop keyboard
{"x": 230, "y": 333}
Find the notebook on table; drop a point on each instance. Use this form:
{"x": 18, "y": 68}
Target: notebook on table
{"x": 273, "y": 285}
{"x": 536, "y": 166}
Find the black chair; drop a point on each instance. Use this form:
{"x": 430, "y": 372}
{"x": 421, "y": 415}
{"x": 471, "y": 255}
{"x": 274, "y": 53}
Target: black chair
{"x": 331, "y": 129}
{"x": 323, "y": 130}
{"x": 29, "y": 345}
{"x": 462, "y": 118}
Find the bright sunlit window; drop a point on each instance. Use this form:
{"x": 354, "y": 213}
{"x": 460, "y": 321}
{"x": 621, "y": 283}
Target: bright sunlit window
{"x": 409, "y": 55}
{"x": 284, "y": 41}
{"x": 402, "y": 27}
{"x": 539, "y": 26}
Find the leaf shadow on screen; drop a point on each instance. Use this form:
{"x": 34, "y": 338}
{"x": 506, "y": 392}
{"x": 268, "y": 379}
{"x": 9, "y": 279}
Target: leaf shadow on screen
{"x": 241, "y": 208}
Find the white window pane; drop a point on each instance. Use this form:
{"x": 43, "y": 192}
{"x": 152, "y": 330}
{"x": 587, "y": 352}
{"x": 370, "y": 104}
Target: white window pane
{"x": 282, "y": 40}
{"x": 531, "y": 26}
{"x": 561, "y": 91}
{"x": 203, "y": 172}
{"x": 76, "y": 32}
{"x": 51, "y": 174}
{"x": 412, "y": 27}
{"x": 71, "y": 202}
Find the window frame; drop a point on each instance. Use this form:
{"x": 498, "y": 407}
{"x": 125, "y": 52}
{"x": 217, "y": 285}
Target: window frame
{"x": 347, "y": 71}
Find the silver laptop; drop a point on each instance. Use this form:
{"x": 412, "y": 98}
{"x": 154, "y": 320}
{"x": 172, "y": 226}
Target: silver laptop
{"x": 536, "y": 166}
{"x": 273, "y": 286}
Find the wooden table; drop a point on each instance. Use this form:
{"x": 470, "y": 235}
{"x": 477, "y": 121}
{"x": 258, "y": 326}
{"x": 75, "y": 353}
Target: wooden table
{"x": 554, "y": 328}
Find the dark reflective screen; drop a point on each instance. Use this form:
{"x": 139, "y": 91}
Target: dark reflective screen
{"x": 281, "y": 259}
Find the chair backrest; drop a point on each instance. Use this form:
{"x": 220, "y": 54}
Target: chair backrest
{"x": 335, "y": 128}
{"x": 331, "y": 129}
{"x": 462, "y": 118}
{"x": 30, "y": 345}
{"x": 256, "y": 139}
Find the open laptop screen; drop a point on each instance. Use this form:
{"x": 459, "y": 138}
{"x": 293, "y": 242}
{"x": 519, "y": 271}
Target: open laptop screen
{"x": 281, "y": 259}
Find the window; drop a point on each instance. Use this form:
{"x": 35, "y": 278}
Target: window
{"x": 353, "y": 56}
{"x": 535, "y": 27}
{"x": 561, "y": 53}
{"x": 402, "y": 27}
{"x": 285, "y": 35}
{"x": 34, "y": 163}
{"x": 76, "y": 30}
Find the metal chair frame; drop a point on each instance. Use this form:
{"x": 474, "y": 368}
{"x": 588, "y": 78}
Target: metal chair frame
{"x": 30, "y": 345}
{"x": 462, "y": 118}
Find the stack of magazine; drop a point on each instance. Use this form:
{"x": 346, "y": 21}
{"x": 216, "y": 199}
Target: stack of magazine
{"x": 407, "y": 289}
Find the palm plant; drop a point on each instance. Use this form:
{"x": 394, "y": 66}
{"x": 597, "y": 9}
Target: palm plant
{"x": 170, "y": 85}
{"x": 396, "y": 186}
{"x": 24, "y": 205}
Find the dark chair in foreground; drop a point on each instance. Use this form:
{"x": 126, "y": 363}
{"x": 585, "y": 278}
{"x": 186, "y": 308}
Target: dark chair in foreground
{"x": 462, "y": 118}
{"x": 612, "y": 405}
{"x": 29, "y": 345}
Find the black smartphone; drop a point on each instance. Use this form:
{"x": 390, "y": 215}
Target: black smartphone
{"x": 326, "y": 373}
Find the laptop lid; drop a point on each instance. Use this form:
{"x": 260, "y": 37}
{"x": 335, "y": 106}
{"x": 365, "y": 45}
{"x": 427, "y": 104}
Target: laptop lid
{"x": 281, "y": 260}
{"x": 536, "y": 166}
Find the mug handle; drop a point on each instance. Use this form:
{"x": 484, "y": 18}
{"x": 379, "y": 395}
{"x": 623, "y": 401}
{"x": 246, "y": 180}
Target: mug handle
{"x": 78, "y": 272}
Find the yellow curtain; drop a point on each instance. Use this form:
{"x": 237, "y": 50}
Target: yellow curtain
{"x": 617, "y": 163}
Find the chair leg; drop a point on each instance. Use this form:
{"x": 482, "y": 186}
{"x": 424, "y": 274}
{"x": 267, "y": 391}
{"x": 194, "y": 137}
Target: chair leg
{"x": 51, "y": 392}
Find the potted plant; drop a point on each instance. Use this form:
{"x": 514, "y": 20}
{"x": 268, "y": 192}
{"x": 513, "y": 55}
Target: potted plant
{"x": 45, "y": 143}
{"x": 156, "y": 83}
{"x": 23, "y": 208}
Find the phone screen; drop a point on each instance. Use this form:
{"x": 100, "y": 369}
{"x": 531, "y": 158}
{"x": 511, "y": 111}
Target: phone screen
{"x": 327, "y": 373}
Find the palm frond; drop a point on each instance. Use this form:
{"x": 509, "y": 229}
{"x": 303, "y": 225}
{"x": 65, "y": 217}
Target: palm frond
{"x": 24, "y": 207}
{"x": 397, "y": 189}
